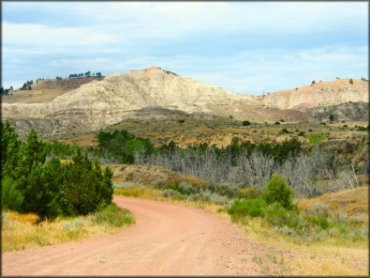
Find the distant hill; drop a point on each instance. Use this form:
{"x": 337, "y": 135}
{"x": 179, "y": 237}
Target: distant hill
{"x": 320, "y": 94}
{"x": 88, "y": 104}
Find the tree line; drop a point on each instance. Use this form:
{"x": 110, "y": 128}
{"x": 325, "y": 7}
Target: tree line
{"x": 86, "y": 74}
{"x": 5, "y": 92}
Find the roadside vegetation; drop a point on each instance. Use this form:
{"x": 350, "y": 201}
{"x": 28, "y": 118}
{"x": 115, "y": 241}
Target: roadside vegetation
{"x": 274, "y": 205}
{"x": 35, "y": 181}
{"x": 299, "y": 235}
{"x": 25, "y": 230}
{"x": 42, "y": 195}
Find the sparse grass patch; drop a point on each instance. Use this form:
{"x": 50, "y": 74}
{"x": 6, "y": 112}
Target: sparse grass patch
{"x": 316, "y": 138}
{"x": 114, "y": 216}
{"x": 142, "y": 191}
{"x": 312, "y": 261}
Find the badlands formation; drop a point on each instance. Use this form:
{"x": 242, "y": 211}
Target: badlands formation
{"x": 101, "y": 103}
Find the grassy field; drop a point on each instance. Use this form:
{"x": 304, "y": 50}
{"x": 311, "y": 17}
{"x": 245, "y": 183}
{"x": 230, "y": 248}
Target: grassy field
{"x": 351, "y": 202}
{"x": 22, "y": 231}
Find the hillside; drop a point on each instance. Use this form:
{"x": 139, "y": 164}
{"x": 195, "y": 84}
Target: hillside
{"x": 63, "y": 84}
{"x": 98, "y": 104}
{"x": 46, "y": 90}
{"x": 348, "y": 111}
{"x": 75, "y": 106}
{"x": 320, "y": 94}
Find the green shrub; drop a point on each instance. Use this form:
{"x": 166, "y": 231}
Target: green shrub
{"x": 277, "y": 215}
{"x": 252, "y": 207}
{"x": 246, "y": 123}
{"x": 277, "y": 190}
{"x": 318, "y": 220}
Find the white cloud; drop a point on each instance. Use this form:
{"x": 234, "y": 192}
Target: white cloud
{"x": 117, "y": 36}
{"x": 128, "y": 21}
{"x": 40, "y": 35}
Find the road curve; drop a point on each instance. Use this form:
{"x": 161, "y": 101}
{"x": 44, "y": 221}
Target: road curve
{"x": 167, "y": 239}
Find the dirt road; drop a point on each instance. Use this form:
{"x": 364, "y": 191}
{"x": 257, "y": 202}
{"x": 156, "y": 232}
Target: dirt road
{"x": 167, "y": 239}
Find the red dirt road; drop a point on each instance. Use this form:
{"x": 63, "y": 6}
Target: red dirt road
{"x": 167, "y": 239}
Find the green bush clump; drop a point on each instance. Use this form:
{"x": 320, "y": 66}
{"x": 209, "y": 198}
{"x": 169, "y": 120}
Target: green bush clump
{"x": 252, "y": 207}
{"x": 246, "y": 123}
{"x": 277, "y": 190}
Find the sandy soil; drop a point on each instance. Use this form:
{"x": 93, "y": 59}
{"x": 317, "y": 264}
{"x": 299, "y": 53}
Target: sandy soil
{"x": 167, "y": 239}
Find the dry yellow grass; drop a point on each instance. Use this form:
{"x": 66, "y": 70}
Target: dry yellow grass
{"x": 314, "y": 261}
{"x": 281, "y": 256}
{"x": 145, "y": 192}
{"x": 33, "y": 96}
{"x": 351, "y": 202}
{"x": 20, "y": 231}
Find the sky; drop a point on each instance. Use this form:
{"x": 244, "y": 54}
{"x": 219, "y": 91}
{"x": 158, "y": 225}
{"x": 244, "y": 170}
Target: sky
{"x": 245, "y": 47}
